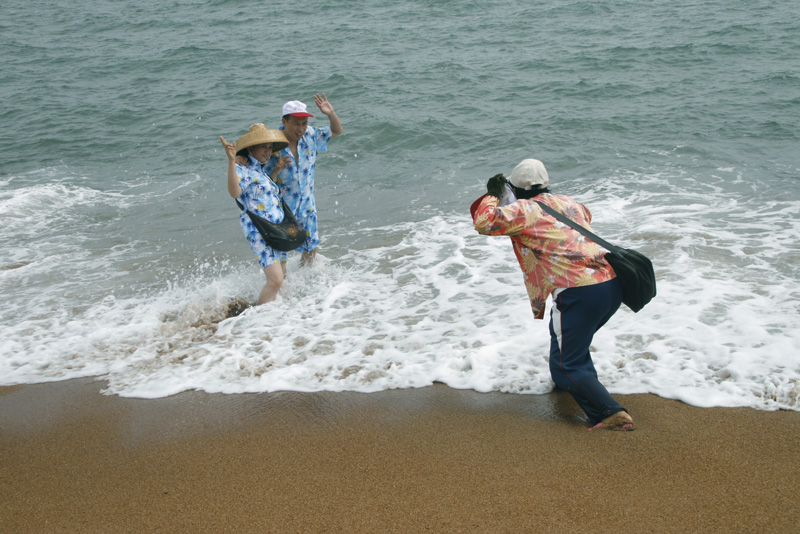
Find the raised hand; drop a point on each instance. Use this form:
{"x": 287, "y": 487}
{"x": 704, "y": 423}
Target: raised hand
{"x": 230, "y": 148}
{"x": 322, "y": 103}
{"x": 495, "y": 185}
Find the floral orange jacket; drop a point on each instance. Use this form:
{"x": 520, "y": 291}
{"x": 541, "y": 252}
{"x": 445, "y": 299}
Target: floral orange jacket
{"x": 550, "y": 254}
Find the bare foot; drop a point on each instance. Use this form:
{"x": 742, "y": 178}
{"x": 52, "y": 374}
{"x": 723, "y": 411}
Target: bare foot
{"x": 618, "y": 421}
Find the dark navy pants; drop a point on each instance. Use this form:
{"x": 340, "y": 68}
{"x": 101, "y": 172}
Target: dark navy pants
{"x": 578, "y": 313}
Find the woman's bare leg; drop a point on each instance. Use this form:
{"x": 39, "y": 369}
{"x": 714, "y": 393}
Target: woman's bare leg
{"x": 274, "y": 274}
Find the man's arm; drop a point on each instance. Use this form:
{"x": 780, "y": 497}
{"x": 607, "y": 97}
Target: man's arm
{"x": 327, "y": 109}
{"x": 489, "y": 219}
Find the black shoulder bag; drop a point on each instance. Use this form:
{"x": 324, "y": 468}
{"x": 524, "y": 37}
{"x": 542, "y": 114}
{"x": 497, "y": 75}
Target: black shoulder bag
{"x": 634, "y": 269}
{"x": 284, "y": 236}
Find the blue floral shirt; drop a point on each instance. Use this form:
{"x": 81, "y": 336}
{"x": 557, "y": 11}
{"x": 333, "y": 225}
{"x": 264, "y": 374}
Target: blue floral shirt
{"x": 260, "y": 195}
{"x": 296, "y": 180}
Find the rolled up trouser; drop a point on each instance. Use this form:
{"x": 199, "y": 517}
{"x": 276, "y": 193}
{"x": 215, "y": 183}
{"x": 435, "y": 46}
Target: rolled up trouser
{"x": 577, "y": 314}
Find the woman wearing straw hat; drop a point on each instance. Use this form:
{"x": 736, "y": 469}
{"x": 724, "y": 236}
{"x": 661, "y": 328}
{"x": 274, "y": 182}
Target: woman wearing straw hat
{"x": 255, "y": 190}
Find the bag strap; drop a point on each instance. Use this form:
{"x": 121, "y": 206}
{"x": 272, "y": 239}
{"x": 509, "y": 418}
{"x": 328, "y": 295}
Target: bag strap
{"x": 569, "y": 222}
{"x": 280, "y": 196}
{"x": 284, "y": 205}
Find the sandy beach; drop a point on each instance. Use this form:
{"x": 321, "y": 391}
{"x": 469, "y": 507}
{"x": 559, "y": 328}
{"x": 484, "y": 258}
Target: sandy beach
{"x": 428, "y": 460}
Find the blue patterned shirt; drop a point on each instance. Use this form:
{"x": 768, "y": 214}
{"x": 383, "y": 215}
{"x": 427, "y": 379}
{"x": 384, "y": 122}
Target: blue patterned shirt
{"x": 296, "y": 180}
{"x": 260, "y": 195}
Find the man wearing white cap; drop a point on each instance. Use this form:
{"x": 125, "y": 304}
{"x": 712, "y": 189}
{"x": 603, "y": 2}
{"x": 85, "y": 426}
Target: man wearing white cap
{"x": 558, "y": 260}
{"x": 296, "y": 180}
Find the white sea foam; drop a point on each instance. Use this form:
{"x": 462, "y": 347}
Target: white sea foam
{"x": 426, "y": 303}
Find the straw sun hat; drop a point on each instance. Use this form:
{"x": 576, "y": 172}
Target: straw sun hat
{"x": 259, "y": 134}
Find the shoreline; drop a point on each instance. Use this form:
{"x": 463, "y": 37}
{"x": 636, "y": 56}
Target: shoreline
{"x": 435, "y": 458}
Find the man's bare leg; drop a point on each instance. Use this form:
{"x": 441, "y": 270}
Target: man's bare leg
{"x": 307, "y": 259}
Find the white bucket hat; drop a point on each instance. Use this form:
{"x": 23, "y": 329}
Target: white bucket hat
{"x": 529, "y": 173}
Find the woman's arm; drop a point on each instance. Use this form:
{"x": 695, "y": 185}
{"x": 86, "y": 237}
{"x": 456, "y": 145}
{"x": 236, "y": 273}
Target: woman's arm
{"x": 282, "y": 162}
{"x": 234, "y": 189}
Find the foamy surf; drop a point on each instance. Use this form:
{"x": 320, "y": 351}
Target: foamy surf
{"x": 423, "y": 303}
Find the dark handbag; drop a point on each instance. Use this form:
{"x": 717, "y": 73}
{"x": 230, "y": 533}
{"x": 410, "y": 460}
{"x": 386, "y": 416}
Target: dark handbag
{"x": 283, "y": 236}
{"x": 634, "y": 269}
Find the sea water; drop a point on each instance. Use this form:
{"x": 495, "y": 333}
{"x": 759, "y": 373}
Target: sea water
{"x": 121, "y": 255}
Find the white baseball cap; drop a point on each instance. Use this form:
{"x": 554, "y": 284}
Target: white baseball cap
{"x": 295, "y": 108}
{"x": 528, "y": 173}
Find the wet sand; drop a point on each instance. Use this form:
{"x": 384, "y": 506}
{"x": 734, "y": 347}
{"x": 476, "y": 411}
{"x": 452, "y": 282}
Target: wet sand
{"x": 427, "y": 460}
